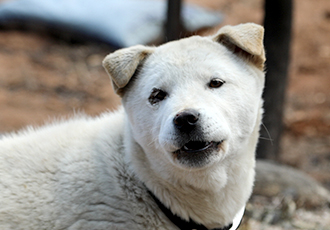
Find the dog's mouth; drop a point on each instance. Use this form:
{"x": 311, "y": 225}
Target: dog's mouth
{"x": 197, "y": 153}
{"x": 199, "y": 146}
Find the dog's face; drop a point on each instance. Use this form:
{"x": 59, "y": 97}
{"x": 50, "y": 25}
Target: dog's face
{"x": 190, "y": 102}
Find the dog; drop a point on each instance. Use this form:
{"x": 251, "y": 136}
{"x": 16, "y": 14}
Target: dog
{"x": 178, "y": 154}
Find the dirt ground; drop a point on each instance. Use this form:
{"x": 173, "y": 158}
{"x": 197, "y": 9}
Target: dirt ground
{"x": 43, "y": 77}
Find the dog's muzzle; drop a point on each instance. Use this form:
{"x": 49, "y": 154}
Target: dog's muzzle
{"x": 194, "y": 150}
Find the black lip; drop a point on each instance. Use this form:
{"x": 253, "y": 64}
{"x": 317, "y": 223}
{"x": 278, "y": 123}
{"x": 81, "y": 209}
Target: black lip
{"x": 199, "y": 146}
{"x": 196, "y": 154}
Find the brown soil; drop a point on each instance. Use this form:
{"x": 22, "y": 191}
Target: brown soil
{"x": 43, "y": 77}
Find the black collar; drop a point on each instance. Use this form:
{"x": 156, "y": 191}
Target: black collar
{"x": 180, "y": 223}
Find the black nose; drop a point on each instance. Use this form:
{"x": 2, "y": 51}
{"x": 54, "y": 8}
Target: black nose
{"x": 186, "y": 120}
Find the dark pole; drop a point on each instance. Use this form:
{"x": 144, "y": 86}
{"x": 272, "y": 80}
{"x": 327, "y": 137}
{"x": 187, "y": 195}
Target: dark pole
{"x": 277, "y": 22}
{"x": 173, "y": 24}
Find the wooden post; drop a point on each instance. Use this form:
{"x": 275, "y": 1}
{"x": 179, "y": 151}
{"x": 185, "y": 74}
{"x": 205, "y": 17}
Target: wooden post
{"x": 277, "y": 22}
{"x": 173, "y": 24}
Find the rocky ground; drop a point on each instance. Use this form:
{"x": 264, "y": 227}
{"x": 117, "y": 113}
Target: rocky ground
{"x": 43, "y": 77}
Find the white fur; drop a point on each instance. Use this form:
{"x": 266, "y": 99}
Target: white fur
{"x": 93, "y": 173}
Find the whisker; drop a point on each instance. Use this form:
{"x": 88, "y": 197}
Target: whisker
{"x": 264, "y": 138}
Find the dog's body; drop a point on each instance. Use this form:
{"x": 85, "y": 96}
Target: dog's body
{"x": 187, "y": 133}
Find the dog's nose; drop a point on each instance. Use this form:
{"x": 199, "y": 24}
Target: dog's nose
{"x": 186, "y": 121}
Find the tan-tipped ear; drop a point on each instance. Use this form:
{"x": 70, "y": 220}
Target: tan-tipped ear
{"x": 245, "y": 40}
{"x": 122, "y": 64}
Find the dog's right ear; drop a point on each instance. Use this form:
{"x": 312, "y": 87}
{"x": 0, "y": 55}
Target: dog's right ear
{"x": 123, "y": 64}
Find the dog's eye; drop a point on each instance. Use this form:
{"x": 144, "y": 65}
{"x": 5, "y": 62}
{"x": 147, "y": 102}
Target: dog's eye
{"x": 216, "y": 83}
{"x": 156, "y": 96}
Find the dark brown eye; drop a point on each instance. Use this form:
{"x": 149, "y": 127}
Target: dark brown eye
{"x": 216, "y": 83}
{"x": 156, "y": 96}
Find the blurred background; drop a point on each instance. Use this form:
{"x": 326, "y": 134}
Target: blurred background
{"x": 50, "y": 66}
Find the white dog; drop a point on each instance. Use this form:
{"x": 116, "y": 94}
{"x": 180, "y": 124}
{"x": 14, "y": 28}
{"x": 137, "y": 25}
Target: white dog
{"x": 180, "y": 155}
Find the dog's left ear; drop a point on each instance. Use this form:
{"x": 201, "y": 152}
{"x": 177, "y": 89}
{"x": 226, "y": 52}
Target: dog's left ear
{"x": 245, "y": 40}
{"x": 123, "y": 64}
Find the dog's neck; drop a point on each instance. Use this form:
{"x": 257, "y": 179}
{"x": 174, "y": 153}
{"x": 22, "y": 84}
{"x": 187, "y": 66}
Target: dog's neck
{"x": 208, "y": 198}
{"x": 191, "y": 224}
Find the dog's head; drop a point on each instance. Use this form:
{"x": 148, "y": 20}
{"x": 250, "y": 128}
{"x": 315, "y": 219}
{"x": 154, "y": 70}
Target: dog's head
{"x": 194, "y": 101}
